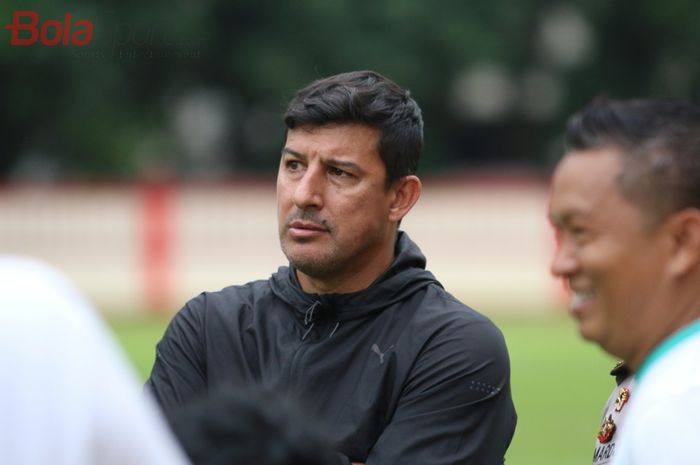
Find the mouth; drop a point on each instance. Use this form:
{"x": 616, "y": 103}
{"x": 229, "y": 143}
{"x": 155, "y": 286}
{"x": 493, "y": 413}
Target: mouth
{"x": 301, "y": 229}
{"x": 580, "y": 298}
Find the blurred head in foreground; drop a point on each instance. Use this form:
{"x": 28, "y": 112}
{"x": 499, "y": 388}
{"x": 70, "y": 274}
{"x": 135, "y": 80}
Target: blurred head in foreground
{"x": 244, "y": 427}
{"x": 625, "y": 203}
{"x": 69, "y": 396}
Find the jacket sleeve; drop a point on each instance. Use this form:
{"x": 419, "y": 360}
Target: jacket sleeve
{"x": 179, "y": 371}
{"x": 456, "y": 408}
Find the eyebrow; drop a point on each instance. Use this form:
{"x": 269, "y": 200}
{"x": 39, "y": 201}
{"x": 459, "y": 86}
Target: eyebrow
{"x": 564, "y": 219}
{"x": 556, "y": 220}
{"x": 328, "y": 161}
{"x": 348, "y": 165}
{"x": 293, "y": 152}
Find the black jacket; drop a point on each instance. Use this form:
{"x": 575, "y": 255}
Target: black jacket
{"x": 400, "y": 373}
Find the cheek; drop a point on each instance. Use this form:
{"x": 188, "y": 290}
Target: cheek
{"x": 627, "y": 288}
{"x": 284, "y": 194}
{"x": 358, "y": 218}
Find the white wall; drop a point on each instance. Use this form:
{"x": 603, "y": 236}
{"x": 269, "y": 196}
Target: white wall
{"x": 488, "y": 242}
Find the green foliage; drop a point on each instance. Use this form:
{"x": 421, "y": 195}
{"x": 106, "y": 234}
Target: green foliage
{"x": 108, "y": 109}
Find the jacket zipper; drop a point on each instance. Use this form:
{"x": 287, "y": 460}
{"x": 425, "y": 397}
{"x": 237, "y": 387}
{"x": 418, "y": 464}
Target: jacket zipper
{"x": 309, "y": 322}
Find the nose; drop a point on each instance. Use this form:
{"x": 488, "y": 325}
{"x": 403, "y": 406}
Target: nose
{"x": 565, "y": 262}
{"x": 308, "y": 192}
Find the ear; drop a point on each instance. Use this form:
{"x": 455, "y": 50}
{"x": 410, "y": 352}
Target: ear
{"x": 684, "y": 233}
{"x": 406, "y": 193}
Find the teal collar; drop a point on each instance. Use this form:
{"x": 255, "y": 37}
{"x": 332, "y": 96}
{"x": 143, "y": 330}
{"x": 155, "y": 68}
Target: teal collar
{"x": 669, "y": 343}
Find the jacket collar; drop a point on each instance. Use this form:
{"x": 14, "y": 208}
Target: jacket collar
{"x": 405, "y": 276}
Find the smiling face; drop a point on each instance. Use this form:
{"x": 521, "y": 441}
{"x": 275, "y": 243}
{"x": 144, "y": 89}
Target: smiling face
{"x": 609, "y": 254}
{"x": 334, "y": 210}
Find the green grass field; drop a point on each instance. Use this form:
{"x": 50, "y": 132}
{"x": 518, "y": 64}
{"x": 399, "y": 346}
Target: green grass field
{"x": 559, "y": 384}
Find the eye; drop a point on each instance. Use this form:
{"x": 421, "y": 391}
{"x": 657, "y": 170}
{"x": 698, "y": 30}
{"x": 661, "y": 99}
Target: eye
{"x": 333, "y": 171}
{"x": 577, "y": 230}
{"x": 579, "y": 233}
{"x": 293, "y": 165}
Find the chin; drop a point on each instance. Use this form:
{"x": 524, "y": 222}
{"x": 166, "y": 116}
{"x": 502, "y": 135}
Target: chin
{"x": 589, "y": 331}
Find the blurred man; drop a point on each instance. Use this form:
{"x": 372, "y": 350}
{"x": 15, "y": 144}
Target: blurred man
{"x": 399, "y": 371}
{"x": 68, "y": 395}
{"x": 625, "y": 202}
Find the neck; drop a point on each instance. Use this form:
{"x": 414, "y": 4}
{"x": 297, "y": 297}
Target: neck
{"x": 348, "y": 280}
{"x": 667, "y": 345}
{"x": 676, "y": 315}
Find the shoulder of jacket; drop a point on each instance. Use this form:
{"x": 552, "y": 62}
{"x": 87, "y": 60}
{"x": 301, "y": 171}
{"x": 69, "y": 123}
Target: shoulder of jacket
{"x": 228, "y": 297}
{"x": 439, "y": 300}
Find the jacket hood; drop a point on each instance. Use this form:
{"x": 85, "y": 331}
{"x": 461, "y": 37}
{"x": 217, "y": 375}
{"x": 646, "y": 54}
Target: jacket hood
{"x": 405, "y": 276}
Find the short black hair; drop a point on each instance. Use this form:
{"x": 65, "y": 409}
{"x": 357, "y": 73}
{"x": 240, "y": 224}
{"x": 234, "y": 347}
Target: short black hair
{"x": 660, "y": 144}
{"x": 241, "y": 426}
{"x": 369, "y": 98}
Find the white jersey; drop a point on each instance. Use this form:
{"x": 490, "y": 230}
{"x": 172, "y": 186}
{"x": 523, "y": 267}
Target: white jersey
{"x": 663, "y": 424}
{"x": 68, "y": 395}
{"x": 612, "y": 422}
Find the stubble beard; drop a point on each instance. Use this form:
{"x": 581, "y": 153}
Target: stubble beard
{"x": 316, "y": 266}
{"x": 329, "y": 263}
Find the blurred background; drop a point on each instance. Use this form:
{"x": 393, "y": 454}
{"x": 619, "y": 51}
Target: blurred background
{"x": 142, "y": 164}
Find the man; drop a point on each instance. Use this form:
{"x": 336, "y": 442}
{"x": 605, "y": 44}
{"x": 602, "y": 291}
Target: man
{"x": 69, "y": 397}
{"x": 625, "y": 203}
{"x": 396, "y": 369}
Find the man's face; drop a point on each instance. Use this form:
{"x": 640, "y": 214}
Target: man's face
{"x": 332, "y": 204}
{"x": 608, "y": 254}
